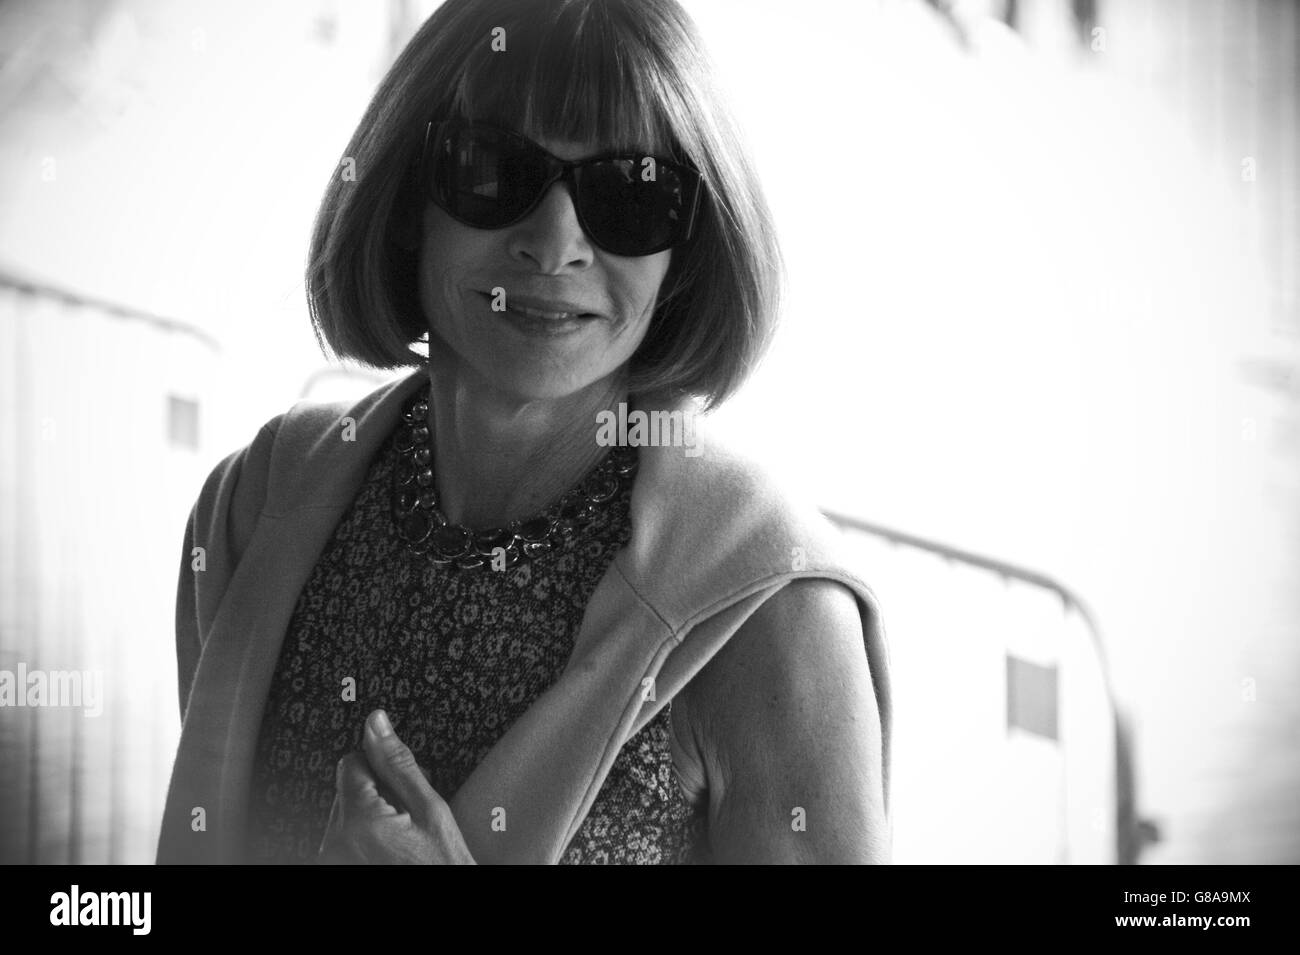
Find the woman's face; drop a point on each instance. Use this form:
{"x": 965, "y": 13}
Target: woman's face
{"x": 574, "y": 314}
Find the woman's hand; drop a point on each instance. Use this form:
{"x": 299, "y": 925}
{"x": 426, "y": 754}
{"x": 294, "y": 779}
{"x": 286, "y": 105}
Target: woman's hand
{"x": 366, "y": 828}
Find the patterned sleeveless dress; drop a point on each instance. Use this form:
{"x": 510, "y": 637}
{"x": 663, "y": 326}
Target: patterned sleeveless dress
{"x": 454, "y": 657}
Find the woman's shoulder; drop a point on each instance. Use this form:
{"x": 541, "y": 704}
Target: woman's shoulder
{"x": 316, "y": 453}
{"x": 312, "y": 428}
{"x": 716, "y": 525}
{"x": 790, "y": 713}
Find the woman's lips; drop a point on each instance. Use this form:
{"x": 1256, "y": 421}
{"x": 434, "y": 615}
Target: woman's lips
{"x": 540, "y": 313}
{"x": 540, "y": 317}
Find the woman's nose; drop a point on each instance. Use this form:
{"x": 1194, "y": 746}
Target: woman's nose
{"x": 550, "y": 238}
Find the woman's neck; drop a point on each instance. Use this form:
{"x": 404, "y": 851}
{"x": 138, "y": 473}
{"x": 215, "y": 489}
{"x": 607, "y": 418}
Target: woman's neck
{"x": 497, "y": 458}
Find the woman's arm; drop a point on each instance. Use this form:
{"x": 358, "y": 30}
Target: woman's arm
{"x": 785, "y": 730}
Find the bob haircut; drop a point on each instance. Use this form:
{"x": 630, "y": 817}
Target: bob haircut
{"x": 623, "y": 74}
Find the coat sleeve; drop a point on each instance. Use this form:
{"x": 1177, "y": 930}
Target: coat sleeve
{"x": 217, "y": 532}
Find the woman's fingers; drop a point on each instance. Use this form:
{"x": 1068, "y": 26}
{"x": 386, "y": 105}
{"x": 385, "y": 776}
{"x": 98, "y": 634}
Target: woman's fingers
{"x": 358, "y": 791}
{"x": 395, "y": 765}
{"x": 386, "y": 809}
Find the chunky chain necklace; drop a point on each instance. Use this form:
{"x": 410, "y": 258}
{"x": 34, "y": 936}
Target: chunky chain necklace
{"x": 424, "y": 527}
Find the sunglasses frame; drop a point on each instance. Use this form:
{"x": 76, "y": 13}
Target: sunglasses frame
{"x": 562, "y": 170}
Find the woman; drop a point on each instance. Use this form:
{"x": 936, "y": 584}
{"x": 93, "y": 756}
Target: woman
{"x": 449, "y": 623}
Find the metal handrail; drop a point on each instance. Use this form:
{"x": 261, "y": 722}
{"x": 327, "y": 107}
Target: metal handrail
{"x": 1132, "y": 830}
{"x": 31, "y": 286}
{"x": 1068, "y": 597}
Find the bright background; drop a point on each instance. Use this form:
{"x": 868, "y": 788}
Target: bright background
{"x": 1042, "y": 308}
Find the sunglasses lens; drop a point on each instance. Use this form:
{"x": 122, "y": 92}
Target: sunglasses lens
{"x": 633, "y": 208}
{"x": 490, "y": 178}
{"x": 487, "y": 179}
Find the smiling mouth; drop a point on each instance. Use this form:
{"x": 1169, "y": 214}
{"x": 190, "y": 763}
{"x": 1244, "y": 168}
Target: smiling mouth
{"x": 541, "y": 313}
{"x": 528, "y": 312}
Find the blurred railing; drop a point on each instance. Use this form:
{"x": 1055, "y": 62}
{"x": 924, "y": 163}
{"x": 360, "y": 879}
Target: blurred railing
{"x": 1008, "y": 746}
{"x": 101, "y": 434}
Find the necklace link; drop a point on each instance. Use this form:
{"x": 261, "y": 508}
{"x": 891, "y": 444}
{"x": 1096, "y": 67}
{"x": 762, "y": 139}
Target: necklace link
{"x": 423, "y": 526}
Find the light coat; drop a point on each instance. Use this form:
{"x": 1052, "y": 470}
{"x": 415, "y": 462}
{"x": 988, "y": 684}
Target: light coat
{"x": 712, "y": 538}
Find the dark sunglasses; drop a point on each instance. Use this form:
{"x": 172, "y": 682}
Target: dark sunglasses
{"x": 489, "y": 178}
